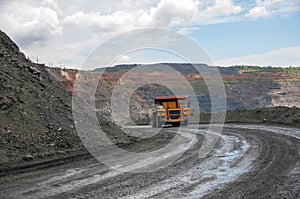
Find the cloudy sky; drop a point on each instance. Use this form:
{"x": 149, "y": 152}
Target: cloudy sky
{"x": 64, "y": 32}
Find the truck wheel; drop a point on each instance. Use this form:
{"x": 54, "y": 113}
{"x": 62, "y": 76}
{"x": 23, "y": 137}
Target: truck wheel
{"x": 159, "y": 122}
{"x": 154, "y": 124}
{"x": 176, "y": 124}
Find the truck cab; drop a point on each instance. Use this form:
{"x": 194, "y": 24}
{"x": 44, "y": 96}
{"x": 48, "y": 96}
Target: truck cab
{"x": 172, "y": 110}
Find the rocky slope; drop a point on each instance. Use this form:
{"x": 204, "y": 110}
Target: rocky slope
{"x": 269, "y": 115}
{"x": 246, "y": 88}
{"x": 36, "y": 116}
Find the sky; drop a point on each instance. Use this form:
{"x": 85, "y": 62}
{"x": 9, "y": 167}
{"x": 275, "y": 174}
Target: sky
{"x": 232, "y": 32}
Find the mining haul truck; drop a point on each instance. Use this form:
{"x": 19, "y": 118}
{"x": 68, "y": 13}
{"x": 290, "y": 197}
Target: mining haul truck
{"x": 172, "y": 110}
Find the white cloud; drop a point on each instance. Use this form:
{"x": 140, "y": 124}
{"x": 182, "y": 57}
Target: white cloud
{"x": 222, "y": 8}
{"x": 117, "y": 21}
{"x": 271, "y": 3}
{"x": 28, "y": 24}
{"x": 167, "y": 13}
{"x": 64, "y": 31}
{"x": 281, "y": 57}
{"x": 52, "y": 4}
{"x": 258, "y": 12}
{"x": 173, "y": 12}
{"x": 35, "y": 21}
{"x": 265, "y": 8}
{"x": 187, "y": 30}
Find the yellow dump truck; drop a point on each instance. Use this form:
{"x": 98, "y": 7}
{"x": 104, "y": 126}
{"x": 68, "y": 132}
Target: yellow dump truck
{"x": 172, "y": 110}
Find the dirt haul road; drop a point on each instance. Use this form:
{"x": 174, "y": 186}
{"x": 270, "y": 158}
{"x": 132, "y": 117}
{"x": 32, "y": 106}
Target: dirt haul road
{"x": 248, "y": 161}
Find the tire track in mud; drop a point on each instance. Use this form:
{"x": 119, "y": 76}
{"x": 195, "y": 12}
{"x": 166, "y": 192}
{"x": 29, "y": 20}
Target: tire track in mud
{"x": 130, "y": 183}
{"x": 75, "y": 178}
{"x": 247, "y": 162}
{"x": 276, "y": 171}
{"x": 223, "y": 165}
{"x": 162, "y": 183}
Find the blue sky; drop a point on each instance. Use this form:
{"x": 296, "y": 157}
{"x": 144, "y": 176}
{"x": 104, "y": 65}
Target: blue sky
{"x": 248, "y": 37}
{"x": 64, "y": 33}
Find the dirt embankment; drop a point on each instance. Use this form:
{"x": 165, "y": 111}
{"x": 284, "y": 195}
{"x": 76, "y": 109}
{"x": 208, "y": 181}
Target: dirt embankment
{"x": 35, "y": 112}
{"x": 270, "y": 115}
{"x": 36, "y": 118}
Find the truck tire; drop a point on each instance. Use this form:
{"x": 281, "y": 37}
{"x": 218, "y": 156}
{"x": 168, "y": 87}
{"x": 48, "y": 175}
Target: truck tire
{"x": 153, "y": 120}
{"x": 159, "y": 122}
{"x": 176, "y": 124}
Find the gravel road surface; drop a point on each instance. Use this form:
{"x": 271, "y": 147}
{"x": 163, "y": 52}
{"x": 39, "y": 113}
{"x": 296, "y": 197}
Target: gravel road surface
{"x": 247, "y": 161}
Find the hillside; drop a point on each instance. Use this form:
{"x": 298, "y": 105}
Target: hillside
{"x": 36, "y": 116}
{"x": 247, "y": 87}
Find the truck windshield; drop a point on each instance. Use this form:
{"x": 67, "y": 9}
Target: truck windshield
{"x": 174, "y": 112}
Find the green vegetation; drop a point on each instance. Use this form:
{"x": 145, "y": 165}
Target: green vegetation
{"x": 129, "y": 67}
{"x": 290, "y": 69}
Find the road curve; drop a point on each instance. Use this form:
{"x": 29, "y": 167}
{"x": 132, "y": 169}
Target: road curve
{"x": 246, "y": 161}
